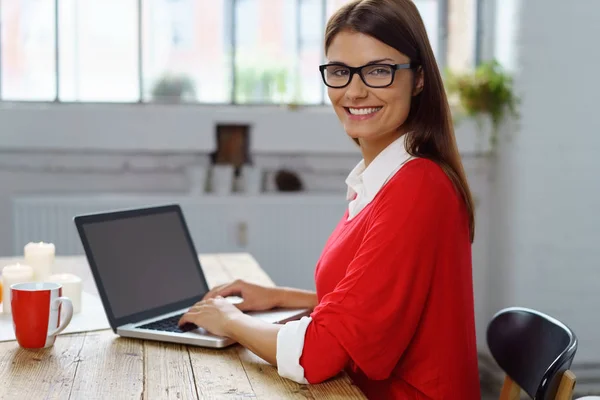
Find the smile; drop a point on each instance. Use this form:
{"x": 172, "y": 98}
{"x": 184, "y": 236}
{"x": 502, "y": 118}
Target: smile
{"x": 362, "y": 113}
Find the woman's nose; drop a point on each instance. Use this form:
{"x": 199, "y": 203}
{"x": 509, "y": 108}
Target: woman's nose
{"x": 356, "y": 89}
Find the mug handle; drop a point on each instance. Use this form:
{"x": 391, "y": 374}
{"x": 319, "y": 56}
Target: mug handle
{"x": 68, "y": 309}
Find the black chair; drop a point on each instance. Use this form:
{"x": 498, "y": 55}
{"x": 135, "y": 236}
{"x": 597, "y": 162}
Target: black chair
{"x": 535, "y": 351}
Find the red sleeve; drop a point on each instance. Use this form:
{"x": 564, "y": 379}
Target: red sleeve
{"x": 372, "y": 314}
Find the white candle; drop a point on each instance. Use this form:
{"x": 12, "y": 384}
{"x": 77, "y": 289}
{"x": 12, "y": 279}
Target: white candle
{"x": 40, "y": 256}
{"x": 71, "y": 288}
{"x": 12, "y": 274}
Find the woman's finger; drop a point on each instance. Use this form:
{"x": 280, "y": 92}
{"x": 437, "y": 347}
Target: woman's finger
{"x": 188, "y": 318}
{"x": 198, "y": 307}
{"x": 232, "y": 289}
{"x": 216, "y": 289}
{"x": 243, "y": 306}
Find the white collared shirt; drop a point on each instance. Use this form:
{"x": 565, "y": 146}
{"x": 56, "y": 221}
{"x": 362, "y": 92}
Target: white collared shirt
{"x": 363, "y": 185}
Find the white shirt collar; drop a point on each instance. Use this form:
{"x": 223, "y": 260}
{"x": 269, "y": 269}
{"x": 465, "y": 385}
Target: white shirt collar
{"x": 368, "y": 181}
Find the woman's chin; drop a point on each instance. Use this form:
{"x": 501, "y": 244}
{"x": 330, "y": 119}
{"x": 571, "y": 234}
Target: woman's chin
{"x": 359, "y": 134}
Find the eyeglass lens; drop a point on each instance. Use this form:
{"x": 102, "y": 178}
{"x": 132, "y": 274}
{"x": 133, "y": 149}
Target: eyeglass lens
{"x": 373, "y": 75}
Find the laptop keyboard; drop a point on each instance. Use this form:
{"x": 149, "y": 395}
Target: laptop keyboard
{"x": 169, "y": 325}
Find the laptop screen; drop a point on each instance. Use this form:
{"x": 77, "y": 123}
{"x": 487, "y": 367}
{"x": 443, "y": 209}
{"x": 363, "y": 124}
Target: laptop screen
{"x": 144, "y": 262}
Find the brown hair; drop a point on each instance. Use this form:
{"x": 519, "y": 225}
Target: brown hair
{"x": 398, "y": 24}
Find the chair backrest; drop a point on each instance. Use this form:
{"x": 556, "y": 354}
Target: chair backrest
{"x": 532, "y": 348}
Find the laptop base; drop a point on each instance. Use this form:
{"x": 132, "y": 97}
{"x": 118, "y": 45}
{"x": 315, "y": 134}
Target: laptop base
{"x": 199, "y": 336}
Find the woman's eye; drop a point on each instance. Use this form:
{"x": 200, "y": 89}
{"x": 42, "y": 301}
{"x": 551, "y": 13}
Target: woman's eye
{"x": 340, "y": 72}
{"x": 380, "y": 72}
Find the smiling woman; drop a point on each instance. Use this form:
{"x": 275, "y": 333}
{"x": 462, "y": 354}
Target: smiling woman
{"x": 414, "y": 101}
{"x": 381, "y": 102}
{"x": 396, "y": 270}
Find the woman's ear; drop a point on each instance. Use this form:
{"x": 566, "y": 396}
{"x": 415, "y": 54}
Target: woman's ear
{"x": 419, "y": 81}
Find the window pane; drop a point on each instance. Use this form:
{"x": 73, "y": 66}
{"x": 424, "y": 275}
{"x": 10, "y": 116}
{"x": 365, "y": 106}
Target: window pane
{"x": 311, "y": 51}
{"x": 506, "y": 25}
{"x": 429, "y": 13}
{"x": 98, "y": 50}
{"x": 186, "y": 50}
{"x": 27, "y": 50}
{"x": 266, "y": 51}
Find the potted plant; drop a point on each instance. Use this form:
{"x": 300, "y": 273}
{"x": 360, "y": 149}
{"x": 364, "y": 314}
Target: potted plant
{"x": 173, "y": 89}
{"x": 487, "y": 91}
{"x": 262, "y": 85}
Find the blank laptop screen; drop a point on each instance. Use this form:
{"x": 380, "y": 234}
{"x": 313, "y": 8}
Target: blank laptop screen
{"x": 144, "y": 262}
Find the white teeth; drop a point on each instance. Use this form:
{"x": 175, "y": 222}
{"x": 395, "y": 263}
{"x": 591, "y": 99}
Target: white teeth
{"x": 364, "y": 111}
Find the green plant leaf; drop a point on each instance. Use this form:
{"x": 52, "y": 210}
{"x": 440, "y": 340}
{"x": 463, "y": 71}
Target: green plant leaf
{"x": 488, "y": 90}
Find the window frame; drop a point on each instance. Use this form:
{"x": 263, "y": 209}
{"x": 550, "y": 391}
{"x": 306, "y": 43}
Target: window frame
{"x": 482, "y": 40}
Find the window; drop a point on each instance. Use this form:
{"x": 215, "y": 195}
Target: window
{"x": 505, "y": 40}
{"x": 310, "y": 51}
{"x": 185, "y": 55}
{"x": 180, "y": 19}
{"x": 198, "y": 51}
{"x": 265, "y": 51}
{"x": 27, "y": 50}
{"x": 462, "y": 17}
{"x": 98, "y": 50}
{"x": 429, "y": 13}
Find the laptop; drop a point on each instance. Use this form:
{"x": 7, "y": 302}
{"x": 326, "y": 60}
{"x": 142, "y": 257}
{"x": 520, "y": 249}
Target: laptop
{"x": 148, "y": 274}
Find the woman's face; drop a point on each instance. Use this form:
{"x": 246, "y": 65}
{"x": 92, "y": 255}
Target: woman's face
{"x": 367, "y": 113}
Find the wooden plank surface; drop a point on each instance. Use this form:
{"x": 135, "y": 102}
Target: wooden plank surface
{"x": 168, "y": 372}
{"x": 341, "y": 387}
{"x": 108, "y": 367}
{"x": 219, "y": 374}
{"x": 39, "y": 374}
{"x": 213, "y": 270}
{"x": 101, "y": 365}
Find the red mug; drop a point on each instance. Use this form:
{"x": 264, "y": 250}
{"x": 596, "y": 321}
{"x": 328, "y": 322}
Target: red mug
{"x": 36, "y": 313}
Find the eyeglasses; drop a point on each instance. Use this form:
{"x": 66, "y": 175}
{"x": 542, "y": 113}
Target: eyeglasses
{"x": 338, "y": 75}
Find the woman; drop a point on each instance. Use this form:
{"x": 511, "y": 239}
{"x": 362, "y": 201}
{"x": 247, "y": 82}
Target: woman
{"x": 394, "y": 300}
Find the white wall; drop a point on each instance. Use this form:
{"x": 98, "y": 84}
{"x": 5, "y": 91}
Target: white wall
{"x": 178, "y": 128}
{"x": 165, "y": 128}
{"x": 544, "y": 242}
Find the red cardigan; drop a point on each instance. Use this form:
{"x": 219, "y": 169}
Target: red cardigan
{"x": 395, "y": 294}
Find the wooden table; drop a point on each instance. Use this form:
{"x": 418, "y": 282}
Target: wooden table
{"x": 102, "y": 365}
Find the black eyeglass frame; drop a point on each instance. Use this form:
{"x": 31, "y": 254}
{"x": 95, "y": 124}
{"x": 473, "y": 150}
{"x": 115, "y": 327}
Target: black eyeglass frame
{"x": 358, "y": 70}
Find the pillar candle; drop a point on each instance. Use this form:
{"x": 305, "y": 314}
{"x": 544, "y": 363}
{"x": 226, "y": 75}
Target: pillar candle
{"x": 71, "y": 288}
{"x": 12, "y": 274}
{"x": 40, "y": 256}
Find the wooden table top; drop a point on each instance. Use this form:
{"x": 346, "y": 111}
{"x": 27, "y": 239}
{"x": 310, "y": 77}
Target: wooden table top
{"x": 102, "y": 365}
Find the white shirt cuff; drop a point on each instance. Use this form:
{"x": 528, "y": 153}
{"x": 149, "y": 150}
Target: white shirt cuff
{"x": 290, "y": 343}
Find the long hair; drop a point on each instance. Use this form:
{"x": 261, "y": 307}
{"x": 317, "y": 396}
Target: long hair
{"x": 429, "y": 126}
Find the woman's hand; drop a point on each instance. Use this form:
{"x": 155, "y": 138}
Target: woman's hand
{"x": 214, "y": 315}
{"x": 255, "y": 297}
